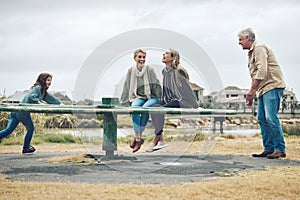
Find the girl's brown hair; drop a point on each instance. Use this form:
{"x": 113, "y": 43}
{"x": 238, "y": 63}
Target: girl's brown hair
{"x": 41, "y": 81}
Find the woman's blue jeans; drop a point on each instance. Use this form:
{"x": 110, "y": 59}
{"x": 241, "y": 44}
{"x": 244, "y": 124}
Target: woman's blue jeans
{"x": 267, "y": 114}
{"x": 15, "y": 118}
{"x": 140, "y": 120}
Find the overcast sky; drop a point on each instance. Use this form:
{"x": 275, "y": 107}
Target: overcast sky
{"x": 58, "y": 36}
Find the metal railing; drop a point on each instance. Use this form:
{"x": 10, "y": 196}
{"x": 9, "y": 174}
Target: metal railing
{"x": 110, "y": 109}
{"x": 287, "y": 109}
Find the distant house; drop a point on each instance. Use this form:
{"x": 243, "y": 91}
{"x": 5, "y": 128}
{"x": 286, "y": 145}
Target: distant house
{"x": 18, "y": 96}
{"x": 234, "y": 96}
{"x": 198, "y": 91}
{"x": 62, "y": 96}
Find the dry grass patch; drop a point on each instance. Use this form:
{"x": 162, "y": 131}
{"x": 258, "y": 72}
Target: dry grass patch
{"x": 240, "y": 145}
{"x": 247, "y": 145}
{"x": 83, "y": 159}
{"x": 77, "y": 159}
{"x": 272, "y": 183}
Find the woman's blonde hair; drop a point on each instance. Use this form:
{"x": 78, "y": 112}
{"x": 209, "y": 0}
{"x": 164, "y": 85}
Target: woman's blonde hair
{"x": 138, "y": 51}
{"x": 176, "y": 64}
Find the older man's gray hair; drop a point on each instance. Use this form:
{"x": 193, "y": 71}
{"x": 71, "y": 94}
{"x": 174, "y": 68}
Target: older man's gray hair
{"x": 248, "y": 32}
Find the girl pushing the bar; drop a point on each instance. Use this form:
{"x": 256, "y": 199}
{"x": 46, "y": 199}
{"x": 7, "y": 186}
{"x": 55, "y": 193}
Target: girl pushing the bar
{"x": 37, "y": 95}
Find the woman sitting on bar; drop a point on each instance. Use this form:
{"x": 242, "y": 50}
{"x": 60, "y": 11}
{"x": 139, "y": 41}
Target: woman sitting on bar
{"x": 141, "y": 88}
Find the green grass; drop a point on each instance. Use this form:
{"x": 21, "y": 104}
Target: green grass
{"x": 50, "y": 138}
{"x": 168, "y": 137}
{"x": 42, "y": 139}
{"x": 46, "y": 137}
{"x": 58, "y": 138}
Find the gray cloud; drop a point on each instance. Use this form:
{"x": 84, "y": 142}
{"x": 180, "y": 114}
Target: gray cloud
{"x": 58, "y": 36}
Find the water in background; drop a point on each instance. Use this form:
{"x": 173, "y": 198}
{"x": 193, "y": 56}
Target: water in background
{"x": 129, "y": 132}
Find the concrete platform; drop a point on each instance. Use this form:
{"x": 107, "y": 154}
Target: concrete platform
{"x": 154, "y": 168}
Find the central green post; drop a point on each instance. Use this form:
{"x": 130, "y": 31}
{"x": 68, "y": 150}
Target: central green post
{"x": 110, "y": 127}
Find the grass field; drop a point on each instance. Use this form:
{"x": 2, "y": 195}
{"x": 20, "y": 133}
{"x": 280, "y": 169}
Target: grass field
{"x": 271, "y": 183}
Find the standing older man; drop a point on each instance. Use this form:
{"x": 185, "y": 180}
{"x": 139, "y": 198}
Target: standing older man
{"x": 268, "y": 85}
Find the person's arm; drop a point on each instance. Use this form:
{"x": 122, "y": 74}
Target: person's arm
{"x": 261, "y": 64}
{"x": 251, "y": 92}
{"x": 124, "y": 100}
{"x": 155, "y": 86}
{"x": 50, "y": 99}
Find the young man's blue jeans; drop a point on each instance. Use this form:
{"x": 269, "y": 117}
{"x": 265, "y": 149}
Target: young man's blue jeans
{"x": 271, "y": 130}
{"x": 15, "y": 118}
{"x": 140, "y": 120}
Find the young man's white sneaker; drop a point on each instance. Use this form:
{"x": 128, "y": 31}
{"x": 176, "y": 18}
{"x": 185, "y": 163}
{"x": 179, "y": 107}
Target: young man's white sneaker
{"x": 160, "y": 145}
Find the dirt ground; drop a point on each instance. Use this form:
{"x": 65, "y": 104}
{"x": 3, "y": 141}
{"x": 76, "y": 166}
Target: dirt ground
{"x": 183, "y": 170}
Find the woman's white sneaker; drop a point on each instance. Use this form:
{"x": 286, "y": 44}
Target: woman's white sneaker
{"x": 150, "y": 147}
{"x": 160, "y": 145}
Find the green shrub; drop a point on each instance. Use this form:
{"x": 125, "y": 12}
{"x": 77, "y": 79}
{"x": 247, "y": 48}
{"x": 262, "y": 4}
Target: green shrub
{"x": 88, "y": 123}
{"x": 60, "y": 121}
{"x": 291, "y": 129}
{"x": 199, "y": 137}
{"x": 38, "y": 121}
{"x": 4, "y": 116}
{"x": 228, "y": 136}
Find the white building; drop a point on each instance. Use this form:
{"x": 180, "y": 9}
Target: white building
{"x": 233, "y": 96}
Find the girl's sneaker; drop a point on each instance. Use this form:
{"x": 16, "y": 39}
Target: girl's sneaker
{"x": 28, "y": 150}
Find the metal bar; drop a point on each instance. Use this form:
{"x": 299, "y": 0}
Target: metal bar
{"x": 103, "y": 109}
{"x": 110, "y": 110}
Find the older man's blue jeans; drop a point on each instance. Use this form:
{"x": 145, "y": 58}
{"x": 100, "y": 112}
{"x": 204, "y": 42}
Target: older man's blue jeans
{"x": 140, "y": 120}
{"x": 267, "y": 114}
{"x": 15, "y": 118}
